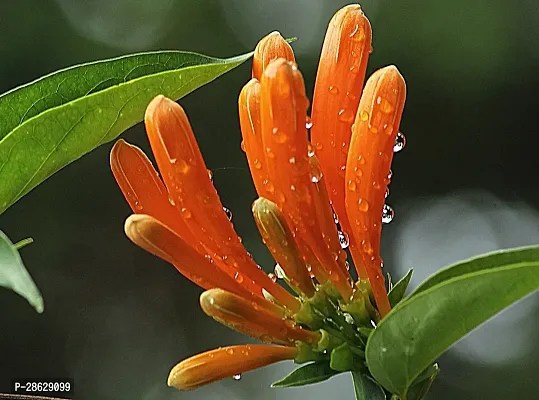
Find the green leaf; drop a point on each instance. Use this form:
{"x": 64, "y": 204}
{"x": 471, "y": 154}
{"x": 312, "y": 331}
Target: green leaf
{"x": 307, "y": 374}
{"x": 14, "y": 276}
{"x": 55, "y": 120}
{"x": 420, "y": 328}
{"x": 396, "y": 294}
{"x": 482, "y": 262}
{"x": 423, "y": 382}
{"x": 367, "y": 389}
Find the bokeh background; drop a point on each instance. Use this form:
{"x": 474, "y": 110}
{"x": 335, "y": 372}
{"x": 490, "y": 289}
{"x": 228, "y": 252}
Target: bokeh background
{"x": 116, "y": 319}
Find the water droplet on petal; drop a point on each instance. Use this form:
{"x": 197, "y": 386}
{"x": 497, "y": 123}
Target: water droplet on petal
{"x": 316, "y": 174}
{"x": 352, "y": 185}
{"x": 279, "y": 136}
{"x": 387, "y": 193}
{"x": 257, "y": 164}
{"x": 279, "y": 273}
{"x": 230, "y": 351}
{"x": 346, "y": 115}
{"x": 344, "y": 239}
{"x": 308, "y": 122}
{"x": 228, "y": 213}
{"x": 363, "y": 205}
{"x": 272, "y": 277}
{"x": 390, "y": 174}
{"x": 210, "y": 174}
{"x": 333, "y": 90}
{"x": 236, "y": 377}
{"x": 242, "y": 146}
{"x": 387, "y": 214}
{"x": 238, "y": 277}
{"x": 186, "y": 213}
{"x": 335, "y": 218}
{"x": 364, "y": 116}
{"x": 400, "y": 142}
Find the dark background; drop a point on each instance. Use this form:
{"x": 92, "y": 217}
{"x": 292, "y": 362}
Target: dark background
{"x": 116, "y": 319}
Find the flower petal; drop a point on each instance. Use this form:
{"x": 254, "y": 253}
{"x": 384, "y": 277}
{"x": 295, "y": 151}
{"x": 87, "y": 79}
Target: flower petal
{"x": 271, "y": 47}
{"x": 185, "y": 174}
{"x": 371, "y": 151}
{"x": 283, "y": 114}
{"x": 156, "y": 238}
{"x": 140, "y": 182}
{"x": 225, "y": 362}
{"x": 339, "y": 81}
{"x": 247, "y": 317}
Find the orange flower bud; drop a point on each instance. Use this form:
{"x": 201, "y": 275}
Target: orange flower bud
{"x": 225, "y": 362}
{"x": 283, "y": 114}
{"x": 270, "y": 48}
{"x": 339, "y": 81}
{"x": 280, "y": 242}
{"x": 371, "y": 151}
{"x": 247, "y": 317}
{"x": 186, "y": 177}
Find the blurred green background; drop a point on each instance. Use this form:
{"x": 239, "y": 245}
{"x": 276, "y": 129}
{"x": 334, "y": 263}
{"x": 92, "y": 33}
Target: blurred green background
{"x": 116, "y": 319}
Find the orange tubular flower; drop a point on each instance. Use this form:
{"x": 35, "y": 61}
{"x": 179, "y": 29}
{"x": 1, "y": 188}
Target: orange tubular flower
{"x": 225, "y": 362}
{"x": 302, "y": 184}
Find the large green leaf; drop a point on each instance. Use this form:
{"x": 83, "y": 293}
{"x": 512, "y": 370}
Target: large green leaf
{"x": 53, "y": 121}
{"x": 14, "y": 276}
{"x": 482, "y": 262}
{"x": 420, "y": 328}
{"x": 305, "y": 375}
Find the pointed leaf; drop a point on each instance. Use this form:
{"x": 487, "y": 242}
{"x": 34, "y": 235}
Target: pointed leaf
{"x": 307, "y": 374}
{"x": 422, "y": 384}
{"x": 397, "y": 292}
{"x": 53, "y": 121}
{"x": 14, "y": 276}
{"x": 482, "y": 262}
{"x": 422, "y": 327}
{"x": 367, "y": 389}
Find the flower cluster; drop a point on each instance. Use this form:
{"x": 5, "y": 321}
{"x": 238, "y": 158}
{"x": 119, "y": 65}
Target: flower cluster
{"x": 308, "y": 172}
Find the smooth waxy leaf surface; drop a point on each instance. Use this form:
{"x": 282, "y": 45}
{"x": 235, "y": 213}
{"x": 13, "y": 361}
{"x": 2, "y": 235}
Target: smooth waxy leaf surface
{"x": 55, "y": 120}
{"x": 14, "y": 276}
{"x": 307, "y": 374}
{"x": 367, "y": 389}
{"x": 420, "y": 328}
{"x": 481, "y": 262}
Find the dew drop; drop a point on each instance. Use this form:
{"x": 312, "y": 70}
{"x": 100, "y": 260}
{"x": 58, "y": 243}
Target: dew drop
{"x": 292, "y": 160}
{"x": 333, "y": 90}
{"x": 387, "y": 193}
{"x": 279, "y": 136}
{"x": 269, "y": 186}
{"x": 279, "y": 272}
{"x": 364, "y": 116}
{"x": 335, "y": 218}
{"x": 387, "y": 214}
{"x": 210, "y": 174}
{"x": 390, "y": 174}
{"x": 236, "y": 377}
{"x": 230, "y": 351}
{"x": 138, "y": 206}
{"x": 346, "y": 115}
{"x": 186, "y": 213}
{"x": 344, "y": 239}
{"x": 308, "y": 122}
{"x": 238, "y": 277}
{"x": 400, "y": 142}
{"x": 242, "y": 146}
{"x": 257, "y": 164}
{"x": 228, "y": 213}
{"x": 352, "y": 185}
{"x": 269, "y": 153}
{"x": 272, "y": 277}
{"x": 316, "y": 174}
{"x": 363, "y": 205}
